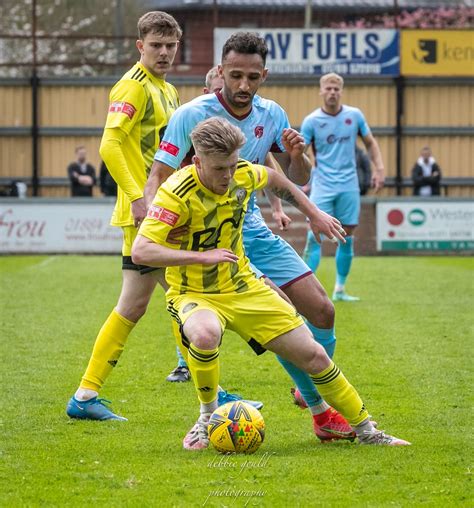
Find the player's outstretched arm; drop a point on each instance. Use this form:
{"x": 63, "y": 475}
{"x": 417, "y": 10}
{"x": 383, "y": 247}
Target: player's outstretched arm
{"x": 158, "y": 175}
{"x": 320, "y": 222}
{"x": 146, "y": 252}
{"x": 297, "y": 163}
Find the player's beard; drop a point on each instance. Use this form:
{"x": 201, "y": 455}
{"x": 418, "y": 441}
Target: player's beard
{"x": 237, "y": 104}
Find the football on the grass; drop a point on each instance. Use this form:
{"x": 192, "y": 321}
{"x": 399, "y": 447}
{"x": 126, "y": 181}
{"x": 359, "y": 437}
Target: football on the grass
{"x": 236, "y": 427}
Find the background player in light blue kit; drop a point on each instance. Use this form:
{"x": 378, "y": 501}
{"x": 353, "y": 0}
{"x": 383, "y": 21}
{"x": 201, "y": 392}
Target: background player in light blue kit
{"x": 332, "y": 133}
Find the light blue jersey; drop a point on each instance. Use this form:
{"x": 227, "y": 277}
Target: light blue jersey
{"x": 333, "y": 138}
{"x": 263, "y": 127}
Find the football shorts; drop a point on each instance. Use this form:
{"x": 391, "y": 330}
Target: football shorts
{"x": 272, "y": 255}
{"x": 345, "y": 206}
{"x": 258, "y": 315}
{"x": 129, "y": 235}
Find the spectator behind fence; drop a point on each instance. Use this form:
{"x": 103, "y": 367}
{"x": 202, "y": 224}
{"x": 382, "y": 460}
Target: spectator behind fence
{"x": 426, "y": 175}
{"x": 15, "y": 189}
{"x": 108, "y": 186}
{"x": 81, "y": 174}
{"x": 364, "y": 171}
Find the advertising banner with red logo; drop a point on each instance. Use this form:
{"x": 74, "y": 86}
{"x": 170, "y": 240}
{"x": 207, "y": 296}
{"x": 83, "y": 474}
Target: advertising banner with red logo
{"x": 431, "y": 224}
{"x": 45, "y": 226}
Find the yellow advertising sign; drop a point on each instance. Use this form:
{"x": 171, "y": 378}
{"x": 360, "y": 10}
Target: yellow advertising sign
{"x": 437, "y": 53}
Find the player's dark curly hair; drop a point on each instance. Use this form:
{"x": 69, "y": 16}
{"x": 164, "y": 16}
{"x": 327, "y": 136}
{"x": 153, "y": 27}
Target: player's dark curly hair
{"x": 247, "y": 43}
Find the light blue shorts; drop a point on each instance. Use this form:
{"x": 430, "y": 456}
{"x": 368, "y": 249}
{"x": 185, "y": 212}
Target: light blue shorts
{"x": 272, "y": 255}
{"x": 256, "y": 271}
{"x": 345, "y": 206}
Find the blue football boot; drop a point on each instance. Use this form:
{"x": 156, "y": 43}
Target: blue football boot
{"x": 223, "y": 397}
{"x": 93, "y": 409}
{"x": 342, "y": 296}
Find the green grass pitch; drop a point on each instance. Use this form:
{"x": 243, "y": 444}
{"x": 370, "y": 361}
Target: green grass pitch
{"x": 407, "y": 347}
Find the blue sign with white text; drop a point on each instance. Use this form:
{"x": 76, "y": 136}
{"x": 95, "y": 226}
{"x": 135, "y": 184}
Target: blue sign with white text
{"x": 350, "y": 52}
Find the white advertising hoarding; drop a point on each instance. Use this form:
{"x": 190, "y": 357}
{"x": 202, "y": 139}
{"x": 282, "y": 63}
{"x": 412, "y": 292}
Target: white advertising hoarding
{"x": 33, "y": 226}
{"x": 425, "y": 225}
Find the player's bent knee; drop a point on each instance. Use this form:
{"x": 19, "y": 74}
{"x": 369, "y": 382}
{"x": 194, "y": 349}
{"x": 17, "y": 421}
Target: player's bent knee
{"x": 203, "y": 335}
{"x": 321, "y": 301}
{"x": 317, "y": 360}
{"x": 327, "y": 308}
{"x": 321, "y": 313}
{"x": 203, "y": 341}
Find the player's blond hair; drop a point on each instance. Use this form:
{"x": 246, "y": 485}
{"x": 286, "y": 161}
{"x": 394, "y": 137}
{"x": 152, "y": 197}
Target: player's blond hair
{"x": 332, "y": 76}
{"x": 158, "y": 22}
{"x": 217, "y": 136}
{"x": 210, "y": 76}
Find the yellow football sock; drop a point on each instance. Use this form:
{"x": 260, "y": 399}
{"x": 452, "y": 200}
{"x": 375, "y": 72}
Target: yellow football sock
{"x": 179, "y": 340}
{"x": 204, "y": 367}
{"x": 107, "y": 350}
{"x": 337, "y": 391}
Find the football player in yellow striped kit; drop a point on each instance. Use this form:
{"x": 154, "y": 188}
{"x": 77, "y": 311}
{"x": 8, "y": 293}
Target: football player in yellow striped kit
{"x": 212, "y": 287}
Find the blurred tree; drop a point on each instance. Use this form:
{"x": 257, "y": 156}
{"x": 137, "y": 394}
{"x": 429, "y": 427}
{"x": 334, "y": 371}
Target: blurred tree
{"x": 75, "y": 38}
{"x": 441, "y": 17}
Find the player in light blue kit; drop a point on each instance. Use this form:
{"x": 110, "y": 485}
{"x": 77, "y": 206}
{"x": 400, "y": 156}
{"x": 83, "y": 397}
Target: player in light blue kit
{"x": 332, "y": 133}
{"x": 267, "y": 129}
{"x": 214, "y": 83}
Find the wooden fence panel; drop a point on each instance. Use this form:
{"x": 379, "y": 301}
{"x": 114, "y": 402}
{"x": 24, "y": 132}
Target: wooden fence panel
{"x": 68, "y": 106}
{"x": 15, "y": 157}
{"x": 15, "y": 106}
{"x": 439, "y": 105}
{"x": 79, "y": 112}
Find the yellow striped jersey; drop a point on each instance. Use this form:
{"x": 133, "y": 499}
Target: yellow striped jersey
{"x": 214, "y": 221}
{"x": 140, "y": 105}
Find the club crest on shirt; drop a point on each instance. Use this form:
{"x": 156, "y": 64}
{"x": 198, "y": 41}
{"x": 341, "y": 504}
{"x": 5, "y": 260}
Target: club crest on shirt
{"x": 348, "y": 121}
{"x": 189, "y": 306}
{"x": 240, "y": 195}
{"x": 259, "y": 131}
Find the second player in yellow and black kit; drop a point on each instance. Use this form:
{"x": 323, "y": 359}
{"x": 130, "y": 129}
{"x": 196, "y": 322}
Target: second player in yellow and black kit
{"x": 141, "y": 104}
{"x": 139, "y": 109}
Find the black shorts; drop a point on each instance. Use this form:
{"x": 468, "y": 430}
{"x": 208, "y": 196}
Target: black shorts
{"x": 128, "y": 264}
